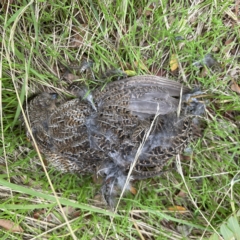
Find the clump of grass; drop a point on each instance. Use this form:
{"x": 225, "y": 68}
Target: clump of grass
{"x": 128, "y": 35}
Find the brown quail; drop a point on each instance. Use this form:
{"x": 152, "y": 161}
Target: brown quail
{"x": 102, "y": 134}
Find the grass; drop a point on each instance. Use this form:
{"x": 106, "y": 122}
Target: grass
{"x": 141, "y": 36}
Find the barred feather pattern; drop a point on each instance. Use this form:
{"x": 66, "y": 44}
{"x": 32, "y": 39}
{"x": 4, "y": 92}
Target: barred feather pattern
{"x": 103, "y": 132}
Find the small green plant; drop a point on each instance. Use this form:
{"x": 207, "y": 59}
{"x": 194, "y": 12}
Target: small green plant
{"x": 229, "y": 230}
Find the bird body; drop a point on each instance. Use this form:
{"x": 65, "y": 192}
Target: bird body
{"x": 103, "y": 134}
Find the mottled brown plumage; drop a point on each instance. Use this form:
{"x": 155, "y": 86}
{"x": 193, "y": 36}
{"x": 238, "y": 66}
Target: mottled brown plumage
{"x": 102, "y": 133}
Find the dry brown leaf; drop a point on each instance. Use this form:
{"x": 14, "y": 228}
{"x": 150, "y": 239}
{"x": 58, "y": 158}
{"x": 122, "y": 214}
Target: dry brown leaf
{"x": 177, "y": 209}
{"x": 182, "y": 194}
{"x": 228, "y": 41}
{"x": 186, "y": 157}
{"x": 133, "y": 190}
{"x": 235, "y": 87}
{"x": 9, "y": 225}
{"x": 173, "y": 62}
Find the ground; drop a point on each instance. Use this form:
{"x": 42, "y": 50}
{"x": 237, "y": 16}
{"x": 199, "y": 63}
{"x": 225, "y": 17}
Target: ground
{"x": 193, "y": 42}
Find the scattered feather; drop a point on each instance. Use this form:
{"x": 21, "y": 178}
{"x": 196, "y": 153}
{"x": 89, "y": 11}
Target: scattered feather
{"x": 207, "y": 61}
